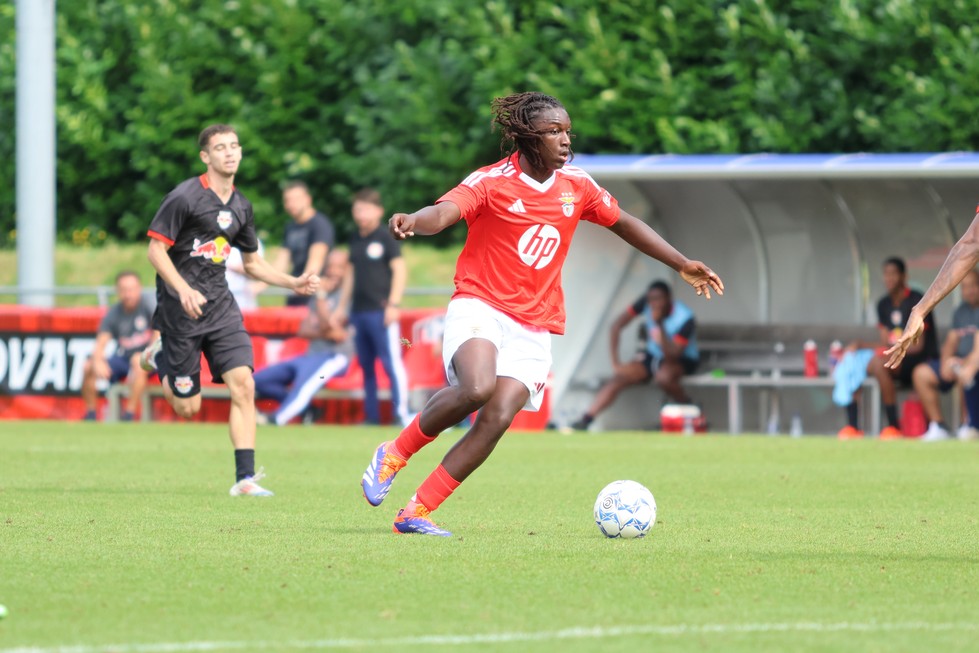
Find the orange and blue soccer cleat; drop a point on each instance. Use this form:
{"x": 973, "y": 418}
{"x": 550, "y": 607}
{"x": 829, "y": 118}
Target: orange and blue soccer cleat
{"x": 891, "y": 433}
{"x": 849, "y": 433}
{"x": 414, "y": 518}
{"x": 380, "y": 474}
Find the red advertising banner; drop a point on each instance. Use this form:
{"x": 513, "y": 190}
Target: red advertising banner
{"x": 43, "y": 352}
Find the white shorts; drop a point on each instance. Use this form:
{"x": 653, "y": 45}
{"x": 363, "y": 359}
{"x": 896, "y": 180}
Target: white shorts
{"x": 523, "y": 353}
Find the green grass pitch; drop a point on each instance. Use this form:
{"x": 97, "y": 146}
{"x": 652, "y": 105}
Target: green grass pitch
{"x": 122, "y": 538}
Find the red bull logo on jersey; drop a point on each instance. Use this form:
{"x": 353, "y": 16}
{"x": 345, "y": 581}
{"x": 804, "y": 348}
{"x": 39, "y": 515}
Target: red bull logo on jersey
{"x": 538, "y": 245}
{"x": 567, "y": 204}
{"x": 217, "y": 250}
{"x": 225, "y": 219}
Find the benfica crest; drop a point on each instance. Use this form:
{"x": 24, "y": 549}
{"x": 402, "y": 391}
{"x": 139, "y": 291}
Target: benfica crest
{"x": 567, "y": 204}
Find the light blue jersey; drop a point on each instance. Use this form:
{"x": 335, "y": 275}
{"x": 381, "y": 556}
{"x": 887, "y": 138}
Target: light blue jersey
{"x": 680, "y": 322}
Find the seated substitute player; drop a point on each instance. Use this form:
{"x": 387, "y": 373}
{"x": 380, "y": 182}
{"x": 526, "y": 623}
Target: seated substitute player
{"x": 293, "y": 382}
{"x": 893, "y": 310}
{"x": 128, "y": 323}
{"x": 522, "y": 213}
{"x": 957, "y": 367}
{"x": 191, "y": 237}
{"x": 671, "y": 350}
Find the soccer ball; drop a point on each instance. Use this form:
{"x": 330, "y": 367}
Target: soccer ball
{"x": 625, "y": 509}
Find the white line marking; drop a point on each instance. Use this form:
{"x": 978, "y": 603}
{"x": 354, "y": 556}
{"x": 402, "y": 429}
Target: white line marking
{"x": 498, "y": 638}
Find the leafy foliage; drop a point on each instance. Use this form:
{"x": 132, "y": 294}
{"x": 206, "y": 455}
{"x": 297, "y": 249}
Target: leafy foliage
{"x": 396, "y": 95}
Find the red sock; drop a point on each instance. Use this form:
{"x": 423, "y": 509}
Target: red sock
{"x": 436, "y": 488}
{"x": 411, "y": 440}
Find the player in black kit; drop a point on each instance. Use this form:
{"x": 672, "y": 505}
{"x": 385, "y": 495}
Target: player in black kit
{"x": 191, "y": 237}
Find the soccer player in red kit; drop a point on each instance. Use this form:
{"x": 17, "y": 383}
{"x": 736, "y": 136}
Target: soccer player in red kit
{"x": 521, "y": 212}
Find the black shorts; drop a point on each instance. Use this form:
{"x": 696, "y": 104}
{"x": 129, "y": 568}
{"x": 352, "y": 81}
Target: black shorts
{"x": 180, "y": 357}
{"x": 651, "y": 363}
{"x": 903, "y": 375}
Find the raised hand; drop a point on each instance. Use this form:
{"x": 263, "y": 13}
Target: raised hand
{"x": 702, "y": 278}
{"x": 912, "y": 331}
{"x": 401, "y": 225}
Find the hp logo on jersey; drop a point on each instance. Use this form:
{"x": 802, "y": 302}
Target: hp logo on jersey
{"x": 538, "y": 245}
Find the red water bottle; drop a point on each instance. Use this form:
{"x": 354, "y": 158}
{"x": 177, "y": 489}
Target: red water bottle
{"x": 810, "y": 359}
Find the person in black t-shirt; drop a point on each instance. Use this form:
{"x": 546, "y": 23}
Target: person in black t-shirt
{"x": 893, "y": 310}
{"x": 376, "y": 281}
{"x": 308, "y": 237}
{"x": 128, "y": 323}
{"x": 191, "y": 237}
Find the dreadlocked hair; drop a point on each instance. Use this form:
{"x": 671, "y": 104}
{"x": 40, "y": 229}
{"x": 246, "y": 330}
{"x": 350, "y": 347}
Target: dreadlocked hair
{"x": 515, "y": 114}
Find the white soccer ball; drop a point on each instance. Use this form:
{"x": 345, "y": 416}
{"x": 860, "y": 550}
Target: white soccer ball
{"x": 625, "y": 509}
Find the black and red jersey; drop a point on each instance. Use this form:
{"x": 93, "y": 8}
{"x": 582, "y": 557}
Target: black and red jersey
{"x": 201, "y": 230}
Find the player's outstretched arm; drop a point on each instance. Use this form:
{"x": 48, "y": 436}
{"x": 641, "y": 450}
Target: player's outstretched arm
{"x": 424, "y": 222}
{"x": 259, "y": 268}
{"x": 963, "y": 257}
{"x": 641, "y": 236}
{"x": 190, "y": 299}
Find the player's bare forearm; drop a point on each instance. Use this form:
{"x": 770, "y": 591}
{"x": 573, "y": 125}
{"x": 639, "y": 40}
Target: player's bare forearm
{"x": 317, "y": 258}
{"x": 258, "y": 268}
{"x": 101, "y": 342}
{"x": 641, "y": 236}
{"x": 963, "y": 257}
{"x": 424, "y": 222}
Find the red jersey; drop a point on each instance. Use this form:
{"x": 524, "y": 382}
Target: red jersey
{"x": 519, "y": 234}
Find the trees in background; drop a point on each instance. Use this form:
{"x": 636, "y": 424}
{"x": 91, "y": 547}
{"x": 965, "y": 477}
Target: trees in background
{"x": 396, "y": 95}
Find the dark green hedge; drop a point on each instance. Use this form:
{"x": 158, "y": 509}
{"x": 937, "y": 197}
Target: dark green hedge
{"x": 349, "y": 93}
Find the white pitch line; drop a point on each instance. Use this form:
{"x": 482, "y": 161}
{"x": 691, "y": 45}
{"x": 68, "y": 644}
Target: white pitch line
{"x": 502, "y": 638}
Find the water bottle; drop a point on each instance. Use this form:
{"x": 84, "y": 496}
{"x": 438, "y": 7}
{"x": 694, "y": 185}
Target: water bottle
{"x": 795, "y": 430}
{"x": 835, "y": 354}
{"x": 810, "y": 359}
{"x": 779, "y": 349}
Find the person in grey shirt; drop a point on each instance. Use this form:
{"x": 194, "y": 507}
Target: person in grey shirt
{"x": 128, "y": 324}
{"x": 294, "y": 381}
{"x": 958, "y": 366}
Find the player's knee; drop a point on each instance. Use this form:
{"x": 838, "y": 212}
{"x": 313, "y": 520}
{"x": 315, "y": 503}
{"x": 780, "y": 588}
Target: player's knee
{"x": 186, "y": 408}
{"x": 476, "y": 394}
{"x": 666, "y": 377}
{"x": 243, "y": 392}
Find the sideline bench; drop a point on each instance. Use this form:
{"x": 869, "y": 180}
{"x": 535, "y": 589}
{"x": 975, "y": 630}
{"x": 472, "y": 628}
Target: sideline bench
{"x": 769, "y": 357}
{"x": 735, "y": 385}
{"x": 740, "y": 357}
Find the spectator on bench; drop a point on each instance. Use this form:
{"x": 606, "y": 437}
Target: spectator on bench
{"x": 957, "y": 367}
{"x": 670, "y": 353}
{"x": 128, "y": 323}
{"x": 293, "y": 382}
{"x": 893, "y": 310}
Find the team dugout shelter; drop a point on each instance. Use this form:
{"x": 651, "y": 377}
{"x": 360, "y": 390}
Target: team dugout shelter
{"x": 799, "y": 240}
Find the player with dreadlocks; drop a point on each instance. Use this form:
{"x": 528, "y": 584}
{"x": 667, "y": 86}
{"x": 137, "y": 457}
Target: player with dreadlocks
{"x": 521, "y": 212}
